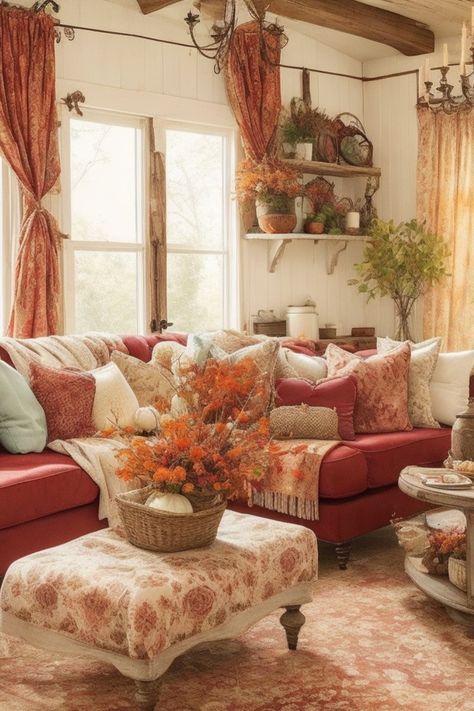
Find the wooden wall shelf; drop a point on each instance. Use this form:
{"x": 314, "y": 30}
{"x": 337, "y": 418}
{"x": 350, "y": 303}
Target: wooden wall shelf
{"x": 335, "y": 244}
{"x": 314, "y": 167}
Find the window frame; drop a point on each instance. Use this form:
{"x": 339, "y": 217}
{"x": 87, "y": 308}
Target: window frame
{"x": 229, "y": 250}
{"x": 72, "y": 246}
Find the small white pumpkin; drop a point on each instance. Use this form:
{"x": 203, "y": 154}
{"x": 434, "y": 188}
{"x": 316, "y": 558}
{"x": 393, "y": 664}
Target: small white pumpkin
{"x": 174, "y": 503}
{"x": 146, "y": 419}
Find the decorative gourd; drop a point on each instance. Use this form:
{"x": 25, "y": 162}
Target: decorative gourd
{"x": 146, "y": 419}
{"x": 174, "y": 503}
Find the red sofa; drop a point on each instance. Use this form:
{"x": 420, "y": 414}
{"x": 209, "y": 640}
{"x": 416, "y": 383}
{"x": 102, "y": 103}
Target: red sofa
{"x": 46, "y": 499}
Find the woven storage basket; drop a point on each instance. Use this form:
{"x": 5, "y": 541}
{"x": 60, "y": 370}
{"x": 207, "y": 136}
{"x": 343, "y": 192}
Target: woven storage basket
{"x": 270, "y": 328}
{"x": 164, "y": 531}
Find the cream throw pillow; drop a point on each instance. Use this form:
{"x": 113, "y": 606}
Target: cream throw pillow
{"x": 149, "y": 381}
{"x": 450, "y": 385}
{"x": 298, "y": 365}
{"x": 115, "y": 403}
{"x": 424, "y": 357}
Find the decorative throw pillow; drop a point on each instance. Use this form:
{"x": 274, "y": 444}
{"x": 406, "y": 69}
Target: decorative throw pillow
{"x": 264, "y": 355}
{"x": 297, "y": 365}
{"x": 450, "y": 385}
{"x": 22, "y": 419}
{"x": 168, "y": 356}
{"x": 67, "y": 398}
{"x": 231, "y": 341}
{"x": 424, "y": 357}
{"x": 148, "y": 381}
{"x": 115, "y": 403}
{"x": 382, "y": 387}
{"x": 338, "y": 394}
{"x": 304, "y": 422}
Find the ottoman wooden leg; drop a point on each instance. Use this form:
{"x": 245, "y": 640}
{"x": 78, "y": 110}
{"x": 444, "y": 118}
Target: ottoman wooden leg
{"x": 292, "y": 620}
{"x": 147, "y": 693}
{"x": 343, "y": 552}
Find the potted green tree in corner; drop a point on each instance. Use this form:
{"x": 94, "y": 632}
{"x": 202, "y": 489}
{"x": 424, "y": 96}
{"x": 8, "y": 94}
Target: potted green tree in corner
{"x": 401, "y": 261}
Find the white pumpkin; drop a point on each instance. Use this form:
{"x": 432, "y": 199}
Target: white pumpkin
{"x": 146, "y": 419}
{"x": 174, "y": 503}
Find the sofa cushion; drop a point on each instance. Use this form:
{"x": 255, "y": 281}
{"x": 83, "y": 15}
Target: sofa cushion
{"x": 343, "y": 473}
{"x": 36, "y": 485}
{"x": 387, "y": 454}
{"x": 142, "y": 346}
{"x": 22, "y": 419}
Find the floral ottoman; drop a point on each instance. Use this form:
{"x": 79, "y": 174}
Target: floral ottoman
{"x": 100, "y": 596}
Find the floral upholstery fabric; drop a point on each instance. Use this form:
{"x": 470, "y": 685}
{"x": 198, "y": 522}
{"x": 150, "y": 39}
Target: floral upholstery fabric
{"x": 147, "y": 380}
{"x": 102, "y": 591}
{"x": 382, "y": 387}
{"x": 422, "y": 366}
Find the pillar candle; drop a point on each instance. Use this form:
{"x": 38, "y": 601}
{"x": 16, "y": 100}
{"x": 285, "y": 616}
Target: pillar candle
{"x": 445, "y": 55}
{"x": 427, "y": 69}
{"x": 463, "y": 48}
{"x": 352, "y": 221}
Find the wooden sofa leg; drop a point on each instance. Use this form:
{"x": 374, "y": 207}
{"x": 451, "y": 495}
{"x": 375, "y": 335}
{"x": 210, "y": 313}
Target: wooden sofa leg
{"x": 343, "y": 552}
{"x": 147, "y": 694}
{"x": 292, "y": 620}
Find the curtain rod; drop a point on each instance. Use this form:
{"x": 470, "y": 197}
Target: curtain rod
{"x": 191, "y": 46}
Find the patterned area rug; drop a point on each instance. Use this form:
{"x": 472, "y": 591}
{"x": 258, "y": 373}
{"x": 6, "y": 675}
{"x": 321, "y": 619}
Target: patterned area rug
{"x": 372, "y": 642}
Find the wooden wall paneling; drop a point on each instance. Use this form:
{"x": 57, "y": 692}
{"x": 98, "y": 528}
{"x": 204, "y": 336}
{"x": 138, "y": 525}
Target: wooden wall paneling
{"x": 132, "y": 64}
{"x": 154, "y": 80}
{"x": 180, "y": 72}
{"x": 210, "y": 86}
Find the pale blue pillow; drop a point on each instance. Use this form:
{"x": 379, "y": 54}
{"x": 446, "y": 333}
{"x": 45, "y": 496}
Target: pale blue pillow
{"x": 22, "y": 420}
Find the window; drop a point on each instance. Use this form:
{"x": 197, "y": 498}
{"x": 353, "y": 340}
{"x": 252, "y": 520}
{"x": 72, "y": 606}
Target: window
{"x": 104, "y": 159}
{"x": 202, "y": 292}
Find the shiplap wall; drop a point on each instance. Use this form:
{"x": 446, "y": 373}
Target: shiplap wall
{"x": 151, "y": 79}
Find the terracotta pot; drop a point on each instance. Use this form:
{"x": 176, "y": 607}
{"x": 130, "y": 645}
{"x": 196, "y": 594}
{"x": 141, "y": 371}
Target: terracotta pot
{"x": 457, "y": 573}
{"x": 277, "y": 224}
{"x": 314, "y": 228}
{"x": 462, "y": 434}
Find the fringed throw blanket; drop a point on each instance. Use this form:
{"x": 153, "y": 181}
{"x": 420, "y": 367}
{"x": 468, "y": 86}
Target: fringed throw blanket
{"x": 84, "y": 352}
{"x": 292, "y": 482}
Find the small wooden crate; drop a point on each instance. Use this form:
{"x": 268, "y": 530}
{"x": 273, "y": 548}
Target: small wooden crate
{"x": 270, "y": 328}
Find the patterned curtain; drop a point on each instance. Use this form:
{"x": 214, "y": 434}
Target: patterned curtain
{"x": 29, "y": 143}
{"x": 253, "y": 87}
{"x": 445, "y": 190}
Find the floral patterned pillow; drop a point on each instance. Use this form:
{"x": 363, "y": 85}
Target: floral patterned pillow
{"x": 382, "y": 387}
{"x": 424, "y": 357}
{"x": 149, "y": 381}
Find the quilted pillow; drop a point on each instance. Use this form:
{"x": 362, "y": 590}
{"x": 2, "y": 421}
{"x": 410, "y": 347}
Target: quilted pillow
{"x": 115, "y": 403}
{"x": 382, "y": 387}
{"x": 304, "y": 422}
{"x": 67, "y": 397}
{"x": 424, "y": 357}
{"x": 338, "y": 394}
{"x": 148, "y": 381}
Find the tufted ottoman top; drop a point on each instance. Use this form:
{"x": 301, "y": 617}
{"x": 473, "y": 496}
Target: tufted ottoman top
{"x": 101, "y": 591}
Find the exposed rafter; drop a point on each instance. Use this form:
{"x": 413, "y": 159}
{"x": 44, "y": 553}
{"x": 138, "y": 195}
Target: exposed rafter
{"x": 356, "y": 18}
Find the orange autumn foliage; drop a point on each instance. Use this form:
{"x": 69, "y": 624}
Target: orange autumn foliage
{"x": 220, "y": 445}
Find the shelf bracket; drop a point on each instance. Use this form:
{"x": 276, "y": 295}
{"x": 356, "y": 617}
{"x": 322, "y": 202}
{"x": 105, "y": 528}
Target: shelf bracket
{"x": 333, "y": 250}
{"x": 276, "y": 250}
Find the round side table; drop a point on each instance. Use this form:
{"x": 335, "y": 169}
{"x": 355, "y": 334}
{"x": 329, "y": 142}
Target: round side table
{"x": 459, "y": 604}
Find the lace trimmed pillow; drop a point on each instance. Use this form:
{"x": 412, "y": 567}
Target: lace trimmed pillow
{"x": 304, "y": 422}
{"x": 424, "y": 357}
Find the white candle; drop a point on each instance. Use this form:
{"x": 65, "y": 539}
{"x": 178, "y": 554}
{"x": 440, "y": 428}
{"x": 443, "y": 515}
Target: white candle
{"x": 445, "y": 55}
{"x": 352, "y": 221}
{"x": 427, "y": 69}
{"x": 463, "y": 47}
{"x": 472, "y": 21}
{"x": 421, "y": 84}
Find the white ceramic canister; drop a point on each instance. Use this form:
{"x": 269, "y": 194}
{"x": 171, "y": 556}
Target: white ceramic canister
{"x": 302, "y": 322}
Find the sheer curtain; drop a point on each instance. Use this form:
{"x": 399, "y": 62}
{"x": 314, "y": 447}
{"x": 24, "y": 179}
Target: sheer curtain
{"x": 445, "y": 198}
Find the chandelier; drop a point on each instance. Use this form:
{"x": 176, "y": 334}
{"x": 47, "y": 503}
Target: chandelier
{"x": 444, "y": 100}
{"x": 223, "y": 30}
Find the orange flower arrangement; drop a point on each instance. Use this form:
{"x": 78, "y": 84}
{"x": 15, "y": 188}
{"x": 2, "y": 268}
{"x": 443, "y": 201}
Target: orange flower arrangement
{"x": 219, "y": 445}
{"x": 267, "y": 180}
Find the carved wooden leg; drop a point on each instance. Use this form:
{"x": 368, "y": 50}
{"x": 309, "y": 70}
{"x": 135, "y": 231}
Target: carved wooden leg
{"x": 147, "y": 693}
{"x": 292, "y": 620}
{"x": 343, "y": 552}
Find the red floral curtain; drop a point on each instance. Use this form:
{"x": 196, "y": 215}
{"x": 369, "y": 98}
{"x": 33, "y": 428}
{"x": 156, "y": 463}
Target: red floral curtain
{"x": 29, "y": 143}
{"x": 253, "y": 87}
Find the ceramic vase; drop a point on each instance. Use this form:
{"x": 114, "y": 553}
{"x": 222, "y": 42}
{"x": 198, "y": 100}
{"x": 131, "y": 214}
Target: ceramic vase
{"x": 462, "y": 434}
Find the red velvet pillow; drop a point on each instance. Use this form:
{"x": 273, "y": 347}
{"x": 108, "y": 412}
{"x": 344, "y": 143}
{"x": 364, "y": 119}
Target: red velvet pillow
{"x": 339, "y": 393}
{"x": 66, "y": 396}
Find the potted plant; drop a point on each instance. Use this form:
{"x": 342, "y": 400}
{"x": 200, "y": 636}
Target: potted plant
{"x": 315, "y": 223}
{"x": 274, "y": 186}
{"x": 442, "y": 545}
{"x": 401, "y": 261}
{"x": 297, "y": 131}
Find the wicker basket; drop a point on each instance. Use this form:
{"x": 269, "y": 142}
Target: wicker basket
{"x": 270, "y": 328}
{"x": 164, "y": 531}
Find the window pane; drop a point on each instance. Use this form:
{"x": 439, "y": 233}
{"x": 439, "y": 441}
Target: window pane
{"x": 195, "y": 291}
{"x": 195, "y": 189}
{"x": 105, "y": 182}
{"x": 105, "y": 291}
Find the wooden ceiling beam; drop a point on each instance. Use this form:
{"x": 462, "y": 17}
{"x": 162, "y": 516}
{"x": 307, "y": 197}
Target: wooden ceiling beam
{"x": 351, "y": 16}
{"x": 356, "y": 18}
